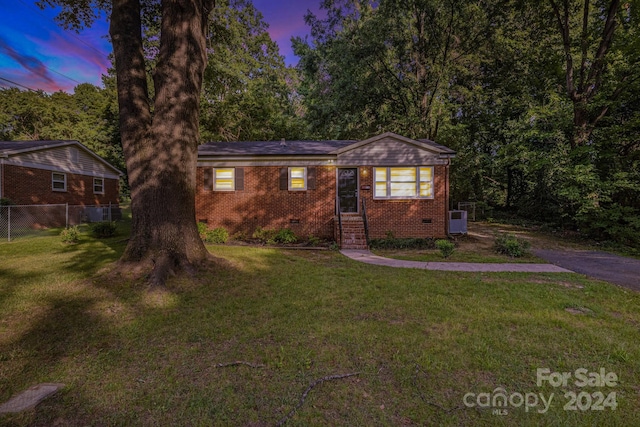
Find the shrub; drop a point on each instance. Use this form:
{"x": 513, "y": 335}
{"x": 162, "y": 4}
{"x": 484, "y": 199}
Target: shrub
{"x": 217, "y": 235}
{"x": 406, "y": 243}
{"x": 103, "y": 229}
{"x": 446, "y": 247}
{"x": 313, "y": 240}
{"x": 5, "y": 201}
{"x": 509, "y": 244}
{"x": 285, "y": 236}
{"x": 70, "y": 234}
{"x": 202, "y": 230}
{"x": 264, "y": 235}
{"x": 240, "y": 236}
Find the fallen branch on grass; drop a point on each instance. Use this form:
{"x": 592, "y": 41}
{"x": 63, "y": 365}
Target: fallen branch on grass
{"x": 306, "y": 392}
{"x": 435, "y": 405}
{"x": 240, "y": 362}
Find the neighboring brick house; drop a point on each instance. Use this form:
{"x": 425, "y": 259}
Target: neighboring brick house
{"x": 401, "y": 183}
{"x": 55, "y": 172}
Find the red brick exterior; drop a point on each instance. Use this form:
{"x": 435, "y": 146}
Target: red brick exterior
{"x": 263, "y": 204}
{"x": 30, "y": 186}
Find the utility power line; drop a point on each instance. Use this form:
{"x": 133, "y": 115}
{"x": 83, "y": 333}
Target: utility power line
{"x": 17, "y": 84}
{"x": 64, "y": 34}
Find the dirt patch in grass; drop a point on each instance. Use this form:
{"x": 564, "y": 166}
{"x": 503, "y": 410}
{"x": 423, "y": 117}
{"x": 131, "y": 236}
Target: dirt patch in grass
{"x": 538, "y": 280}
{"x": 478, "y": 245}
{"x": 578, "y": 310}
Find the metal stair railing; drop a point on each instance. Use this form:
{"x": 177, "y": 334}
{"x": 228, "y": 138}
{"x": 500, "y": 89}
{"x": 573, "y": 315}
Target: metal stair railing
{"x": 365, "y": 221}
{"x": 339, "y": 221}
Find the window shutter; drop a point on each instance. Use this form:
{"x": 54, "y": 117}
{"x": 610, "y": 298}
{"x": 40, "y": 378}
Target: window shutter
{"x": 208, "y": 179}
{"x": 239, "y": 179}
{"x": 284, "y": 178}
{"x": 311, "y": 178}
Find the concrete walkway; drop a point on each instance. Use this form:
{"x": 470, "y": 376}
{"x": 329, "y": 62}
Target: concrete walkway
{"x": 369, "y": 258}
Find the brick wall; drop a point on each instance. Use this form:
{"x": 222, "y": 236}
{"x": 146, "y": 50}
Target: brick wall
{"x": 404, "y": 218}
{"x": 25, "y": 186}
{"x": 261, "y": 203}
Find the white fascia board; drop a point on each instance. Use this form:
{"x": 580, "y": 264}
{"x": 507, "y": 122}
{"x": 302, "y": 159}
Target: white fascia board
{"x": 60, "y": 169}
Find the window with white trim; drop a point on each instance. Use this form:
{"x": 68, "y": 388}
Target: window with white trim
{"x": 98, "y": 185}
{"x": 297, "y": 178}
{"x": 224, "y": 179}
{"x": 58, "y": 181}
{"x": 403, "y": 182}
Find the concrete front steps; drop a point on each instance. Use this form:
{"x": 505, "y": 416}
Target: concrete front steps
{"x": 353, "y": 235}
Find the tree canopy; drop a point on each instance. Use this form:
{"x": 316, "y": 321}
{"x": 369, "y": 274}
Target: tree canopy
{"x": 540, "y": 100}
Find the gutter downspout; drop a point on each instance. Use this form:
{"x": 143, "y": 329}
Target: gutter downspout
{"x": 446, "y": 206}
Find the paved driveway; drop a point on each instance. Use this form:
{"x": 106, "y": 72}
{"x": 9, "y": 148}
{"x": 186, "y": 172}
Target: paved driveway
{"x": 600, "y": 265}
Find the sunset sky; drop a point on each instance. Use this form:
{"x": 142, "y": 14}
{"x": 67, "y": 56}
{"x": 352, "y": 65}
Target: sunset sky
{"x": 36, "y": 53}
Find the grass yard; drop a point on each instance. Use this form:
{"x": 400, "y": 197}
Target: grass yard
{"x": 418, "y": 340}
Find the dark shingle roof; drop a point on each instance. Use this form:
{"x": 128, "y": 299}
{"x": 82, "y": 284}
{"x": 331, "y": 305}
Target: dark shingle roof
{"x": 300, "y": 148}
{"x": 271, "y": 148}
{"x": 445, "y": 150}
{"x": 9, "y": 147}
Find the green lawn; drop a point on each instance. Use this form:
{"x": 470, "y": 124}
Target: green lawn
{"x": 418, "y": 340}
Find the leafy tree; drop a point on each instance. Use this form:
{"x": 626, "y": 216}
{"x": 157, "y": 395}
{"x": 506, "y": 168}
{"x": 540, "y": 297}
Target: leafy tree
{"x": 84, "y": 116}
{"x": 389, "y": 65}
{"x": 159, "y": 134}
{"x": 600, "y": 44}
{"x": 248, "y": 91}
{"x": 24, "y": 115}
{"x": 538, "y": 99}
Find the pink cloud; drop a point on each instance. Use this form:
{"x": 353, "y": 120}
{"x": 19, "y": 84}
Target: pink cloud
{"x": 33, "y": 65}
{"x": 75, "y": 50}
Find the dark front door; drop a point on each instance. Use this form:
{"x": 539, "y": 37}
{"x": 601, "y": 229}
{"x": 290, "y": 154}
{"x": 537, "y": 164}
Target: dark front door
{"x": 348, "y": 189}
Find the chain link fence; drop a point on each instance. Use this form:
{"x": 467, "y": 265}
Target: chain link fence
{"x": 17, "y": 221}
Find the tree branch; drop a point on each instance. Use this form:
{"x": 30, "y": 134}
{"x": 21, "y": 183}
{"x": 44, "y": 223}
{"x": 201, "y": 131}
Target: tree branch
{"x": 306, "y": 392}
{"x": 435, "y": 405}
{"x": 563, "y": 25}
{"x": 240, "y": 362}
{"x": 584, "y": 43}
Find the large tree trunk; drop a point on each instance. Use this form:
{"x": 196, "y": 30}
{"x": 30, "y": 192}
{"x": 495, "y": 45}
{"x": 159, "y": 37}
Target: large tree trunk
{"x": 161, "y": 149}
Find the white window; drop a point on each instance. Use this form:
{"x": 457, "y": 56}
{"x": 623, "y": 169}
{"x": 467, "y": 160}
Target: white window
{"x": 403, "y": 182}
{"x": 297, "y": 178}
{"x": 224, "y": 179}
{"x": 58, "y": 181}
{"x": 98, "y": 185}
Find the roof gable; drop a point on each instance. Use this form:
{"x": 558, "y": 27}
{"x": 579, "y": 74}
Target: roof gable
{"x": 423, "y": 144}
{"x": 16, "y": 149}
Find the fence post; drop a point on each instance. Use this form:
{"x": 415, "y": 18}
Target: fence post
{"x": 66, "y": 215}
{"x": 8, "y": 223}
{"x": 109, "y": 211}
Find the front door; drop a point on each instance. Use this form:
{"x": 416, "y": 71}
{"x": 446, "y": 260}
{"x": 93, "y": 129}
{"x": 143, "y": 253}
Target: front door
{"x": 348, "y": 190}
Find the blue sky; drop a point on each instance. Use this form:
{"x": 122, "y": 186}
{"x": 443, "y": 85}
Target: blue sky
{"x": 36, "y": 53}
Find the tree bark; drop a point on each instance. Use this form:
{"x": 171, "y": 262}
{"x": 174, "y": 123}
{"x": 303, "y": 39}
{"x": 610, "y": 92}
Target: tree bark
{"x": 585, "y": 82}
{"x": 161, "y": 148}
